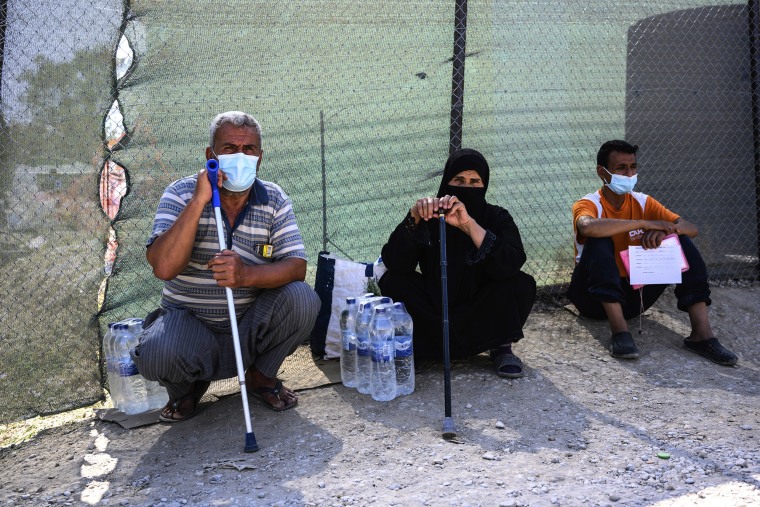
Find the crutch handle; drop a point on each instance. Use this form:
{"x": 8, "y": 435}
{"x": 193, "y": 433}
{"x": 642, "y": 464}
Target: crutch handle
{"x": 212, "y": 168}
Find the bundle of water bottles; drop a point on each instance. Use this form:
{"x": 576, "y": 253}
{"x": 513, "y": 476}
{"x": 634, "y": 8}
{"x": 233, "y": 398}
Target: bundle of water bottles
{"x": 377, "y": 354}
{"x": 130, "y": 392}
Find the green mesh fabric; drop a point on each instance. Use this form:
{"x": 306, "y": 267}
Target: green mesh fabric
{"x": 105, "y": 104}
{"x": 55, "y": 88}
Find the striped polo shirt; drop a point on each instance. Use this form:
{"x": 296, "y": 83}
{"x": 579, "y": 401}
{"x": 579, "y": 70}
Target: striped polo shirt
{"x": 268, "y": 219}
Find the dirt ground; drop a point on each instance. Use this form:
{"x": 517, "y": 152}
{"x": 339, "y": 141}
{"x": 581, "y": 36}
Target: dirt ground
{"x": 581, "y": 428}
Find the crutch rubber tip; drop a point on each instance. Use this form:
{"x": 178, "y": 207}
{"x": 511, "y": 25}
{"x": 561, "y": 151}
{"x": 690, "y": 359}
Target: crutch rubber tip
{"x": 250, "y": 443}
{"x": 449, "y": 431}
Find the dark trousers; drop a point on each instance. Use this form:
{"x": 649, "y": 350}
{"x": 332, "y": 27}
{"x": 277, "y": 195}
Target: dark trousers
{"x": 494, "y": 317}
{"x": 596, "y": 279}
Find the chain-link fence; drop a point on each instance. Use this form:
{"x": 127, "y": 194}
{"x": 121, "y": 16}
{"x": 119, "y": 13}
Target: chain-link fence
{"x": 104, "y": 104}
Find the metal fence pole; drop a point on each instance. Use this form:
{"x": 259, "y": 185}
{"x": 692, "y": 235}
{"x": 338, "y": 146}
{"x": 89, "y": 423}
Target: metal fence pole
{"x": 3, "y": 23}
{"x": 324, "y": 179}
{"x": 457, "y": 76}
{"x": 753, "y": 11}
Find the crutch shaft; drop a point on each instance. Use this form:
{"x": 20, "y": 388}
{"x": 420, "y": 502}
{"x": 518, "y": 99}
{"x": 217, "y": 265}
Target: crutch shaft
{"x": 212, "y": 166}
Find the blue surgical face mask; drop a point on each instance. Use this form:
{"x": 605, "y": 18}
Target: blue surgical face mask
{"x": 240, "y": 170}
{"x": 621, "y": 184}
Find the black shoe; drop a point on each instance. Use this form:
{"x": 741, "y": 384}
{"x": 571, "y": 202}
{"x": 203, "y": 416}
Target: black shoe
{"x": 507, "y": 364}
{"x": 712, "y": 350}
{"x": 623, "y": 346}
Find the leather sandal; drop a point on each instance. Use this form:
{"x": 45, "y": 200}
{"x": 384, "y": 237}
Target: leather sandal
{"x": 260, "y": 392}
{"x": 185, "y": 407}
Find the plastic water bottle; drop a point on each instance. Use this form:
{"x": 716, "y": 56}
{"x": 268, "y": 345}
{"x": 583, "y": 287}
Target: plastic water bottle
{"x": 377, "y": 302}
{"x": 348, "y": 343}
{"x": 364, "y": 317}
{"x": 118, "y": 332}
{"x": 363, "y": 360}
{"x": 403, "y": 331}
{"x": 383, "y": 346}
{"x": 383, "y": 303}
{"x": 112, "y": 367}
{"x": 134, "y": 395}
{"x": 156, "y": 393}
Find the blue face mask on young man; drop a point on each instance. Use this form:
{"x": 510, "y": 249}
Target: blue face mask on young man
{"x": 620, "y": 184}
{"x": 240, "y": 170}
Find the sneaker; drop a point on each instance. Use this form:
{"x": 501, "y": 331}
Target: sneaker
{"x": 623, "y": 346}
{"x": 712, "y": 350}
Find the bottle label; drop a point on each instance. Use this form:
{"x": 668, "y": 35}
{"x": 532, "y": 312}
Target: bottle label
{"x": 382, "y": 352}
{"x": 362, "y": 345}
{"x": 127, "y": 369}
{"x": 349, "y": 342}
{"x": 404, "y": 346}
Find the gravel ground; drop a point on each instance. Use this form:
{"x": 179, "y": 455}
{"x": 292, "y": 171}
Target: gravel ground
{"x": 580, "y": 428}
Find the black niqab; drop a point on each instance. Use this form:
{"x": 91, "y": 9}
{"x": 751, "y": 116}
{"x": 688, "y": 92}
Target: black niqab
{"x": 474, "y": 199}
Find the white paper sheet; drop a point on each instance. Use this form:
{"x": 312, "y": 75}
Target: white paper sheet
{"x": 660, "y": 265}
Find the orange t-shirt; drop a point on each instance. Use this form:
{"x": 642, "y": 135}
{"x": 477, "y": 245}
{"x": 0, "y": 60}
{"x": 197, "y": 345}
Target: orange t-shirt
{"x": 636, "y": 206}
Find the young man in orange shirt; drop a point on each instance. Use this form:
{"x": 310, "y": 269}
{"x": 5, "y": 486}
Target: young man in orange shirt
{"x": 610, "y": 220}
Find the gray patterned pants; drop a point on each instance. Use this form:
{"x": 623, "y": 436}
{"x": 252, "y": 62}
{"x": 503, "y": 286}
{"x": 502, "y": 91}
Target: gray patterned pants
{"x": 177, "y": 349}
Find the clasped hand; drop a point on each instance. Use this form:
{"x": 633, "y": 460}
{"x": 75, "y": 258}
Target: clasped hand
{"x": 656, "y": 232}
{"x": 428, "y": 207}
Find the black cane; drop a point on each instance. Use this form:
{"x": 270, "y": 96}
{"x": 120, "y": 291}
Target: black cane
{"x": 448, "y": 423}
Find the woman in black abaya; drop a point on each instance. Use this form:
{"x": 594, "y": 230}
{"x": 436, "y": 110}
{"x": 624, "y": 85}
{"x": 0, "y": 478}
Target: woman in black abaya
{"x": 489, "y": 297}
